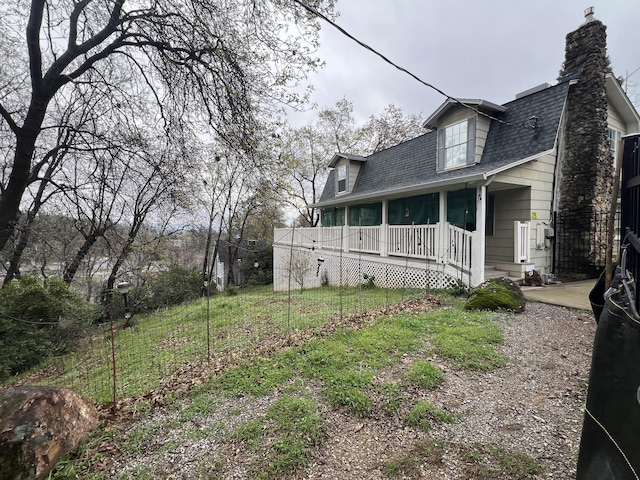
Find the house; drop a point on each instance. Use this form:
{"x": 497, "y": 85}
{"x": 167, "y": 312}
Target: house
{"x": 483, "y": 192}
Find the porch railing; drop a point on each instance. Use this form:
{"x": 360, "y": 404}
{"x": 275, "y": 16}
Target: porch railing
{"x": 459, "y": 253}
{"x": 413, "y": 241}
{"x": 364, "y": 239}
{"x": 331, "y": 237}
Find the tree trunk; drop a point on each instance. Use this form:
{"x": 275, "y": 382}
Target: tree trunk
{"x": 71, "y": 269}
{"x": 21, "y": 170}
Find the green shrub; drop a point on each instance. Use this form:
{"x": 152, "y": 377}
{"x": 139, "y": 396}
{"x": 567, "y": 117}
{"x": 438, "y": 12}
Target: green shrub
{"x": 263, "y": 273}
{"x": 39, "y": 318}
{"x": 369, "y": 281}
{"x": 173, "y": 286}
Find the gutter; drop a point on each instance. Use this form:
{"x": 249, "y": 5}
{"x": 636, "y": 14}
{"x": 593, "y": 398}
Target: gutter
{"x": 400, "y": 191}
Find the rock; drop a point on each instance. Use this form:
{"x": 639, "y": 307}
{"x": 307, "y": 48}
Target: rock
{"x": 496, "y": 294}
{"x": 38, "y": 425}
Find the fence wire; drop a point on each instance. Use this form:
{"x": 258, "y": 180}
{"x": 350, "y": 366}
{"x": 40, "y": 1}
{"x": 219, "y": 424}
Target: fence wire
{"x": 154, "y": 354}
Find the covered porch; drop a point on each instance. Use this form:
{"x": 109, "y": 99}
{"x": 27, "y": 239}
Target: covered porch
{"x": 458, "y": 252}
{"x": 468, "y": 232}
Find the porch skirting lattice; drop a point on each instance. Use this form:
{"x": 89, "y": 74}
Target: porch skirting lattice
{"x": 349, "y": 269}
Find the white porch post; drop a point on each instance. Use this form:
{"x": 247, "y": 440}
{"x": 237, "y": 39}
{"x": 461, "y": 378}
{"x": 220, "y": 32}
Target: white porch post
{"x": 478, "y": 244}
{"x": 383, "y": 230}
{"x": 443, "y": 234}
{"x": 345, "y": 230}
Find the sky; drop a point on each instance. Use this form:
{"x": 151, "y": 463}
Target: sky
{"x": 485, "y": 49}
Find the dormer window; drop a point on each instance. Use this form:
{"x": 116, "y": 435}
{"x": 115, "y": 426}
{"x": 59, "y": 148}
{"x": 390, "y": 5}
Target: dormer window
{"x": 456, "y": 144}
{"x": 342, "y": 178}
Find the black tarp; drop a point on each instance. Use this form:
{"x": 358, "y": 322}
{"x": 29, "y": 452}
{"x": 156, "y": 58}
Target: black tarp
{"x": 610, "y": 443}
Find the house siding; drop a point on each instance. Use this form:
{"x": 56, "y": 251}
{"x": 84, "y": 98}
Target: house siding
{"x": 482, "y": 130}
{"x": 533, "y": 200}
{"x": 353, "y": 168}
{"x": 614, "y": 120}
{"x": 510, "y": 205}
{"x": 454, "y": 115}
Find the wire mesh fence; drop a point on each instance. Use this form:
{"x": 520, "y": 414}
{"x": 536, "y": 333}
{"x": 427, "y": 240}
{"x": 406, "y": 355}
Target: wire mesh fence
{"x": 173, "y": 349}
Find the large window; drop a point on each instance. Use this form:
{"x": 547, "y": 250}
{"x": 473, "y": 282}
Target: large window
{"x": 456, "y": 144}
{"x": 333, "y": 217}
{"x": 419, "y": 210}
{"x": 365, "y": 215}
{"x": 342, "y": 178}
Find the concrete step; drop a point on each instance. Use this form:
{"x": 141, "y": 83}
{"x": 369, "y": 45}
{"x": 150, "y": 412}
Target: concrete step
{"x": 490, "y": 271}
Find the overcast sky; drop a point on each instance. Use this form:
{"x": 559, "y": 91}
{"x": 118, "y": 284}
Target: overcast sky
{"x": 488, "y": 49}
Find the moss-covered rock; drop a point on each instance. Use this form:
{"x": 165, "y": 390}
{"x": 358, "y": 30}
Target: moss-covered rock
{"x": 496, "y": 294}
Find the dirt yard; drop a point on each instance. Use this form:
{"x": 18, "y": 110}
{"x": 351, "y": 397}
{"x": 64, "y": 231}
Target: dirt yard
{"x": 530, "y": 409}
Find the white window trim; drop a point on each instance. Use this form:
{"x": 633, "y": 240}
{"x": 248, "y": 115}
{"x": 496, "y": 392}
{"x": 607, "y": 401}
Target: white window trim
{"x": 468, "y": 145}
{"x": 344, "y": 167}
{"x": 613, "y": 142}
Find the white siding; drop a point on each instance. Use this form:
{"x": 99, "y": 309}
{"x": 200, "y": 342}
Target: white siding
{"x": 522, "y": 204}
{"x": 482, "y": 130}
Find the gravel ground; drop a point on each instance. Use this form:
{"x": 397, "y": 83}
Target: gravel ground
{"x": 533, "y": 405}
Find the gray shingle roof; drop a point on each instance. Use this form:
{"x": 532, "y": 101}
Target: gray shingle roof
{"x": 413, "y": 163}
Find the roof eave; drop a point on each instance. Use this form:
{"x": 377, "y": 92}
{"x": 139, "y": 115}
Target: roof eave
{"x": 345, "y": 200}
{"x": 347, "y": 156}
{"x": 622, "y": 104}
{"x": 478, "y": 103}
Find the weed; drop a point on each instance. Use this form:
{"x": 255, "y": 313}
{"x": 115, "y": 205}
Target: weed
{"x": 324, "y": 278}
{"x": 348, "y": 389}
{"x": 467, "y": 339}
{"x": 424, "y": 412}
{"x": 212, "y": 471}
{"x": 402, "y": 466}
{"x": 392, "y": 397}
{"x": 407, "y": 465}
{"x": 490, "y": 461}
{"x": 135, "y": 439}
{"x": 203, "y": 404}
{"x": 516, "y": 465}
{"x": 369, "y": 281}
{"x": 283, "y": 435}
{"x": 424, "y": 374}
{"x": 257, "y": 377}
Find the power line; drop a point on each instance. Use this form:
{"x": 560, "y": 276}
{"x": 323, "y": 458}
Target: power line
{"x": 315, "y": 12}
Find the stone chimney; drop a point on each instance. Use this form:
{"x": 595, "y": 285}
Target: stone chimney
{"x": 586, "y": 176}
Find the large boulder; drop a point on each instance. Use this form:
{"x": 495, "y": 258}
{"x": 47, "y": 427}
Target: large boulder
{"x": 496, "y": 294}
{"x": 38, "y": 425}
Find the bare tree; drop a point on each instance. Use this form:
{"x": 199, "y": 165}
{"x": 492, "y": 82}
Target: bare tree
{"x": 225, "y": 61}
{"x": 306, "y": 151}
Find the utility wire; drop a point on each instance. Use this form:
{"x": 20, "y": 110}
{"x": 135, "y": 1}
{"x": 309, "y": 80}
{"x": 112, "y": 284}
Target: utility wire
{"x": 315, "y": 12}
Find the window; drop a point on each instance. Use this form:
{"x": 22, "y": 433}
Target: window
{"x": 461, "y": 208}
{"x": 342, "y": 178}
{"x": 614, "y": 139}
{"x": 333, "y": 217}
{"x": 456, "y": 144}
{"x": 419, "y": 210}
{"x": 365, "y": 215}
